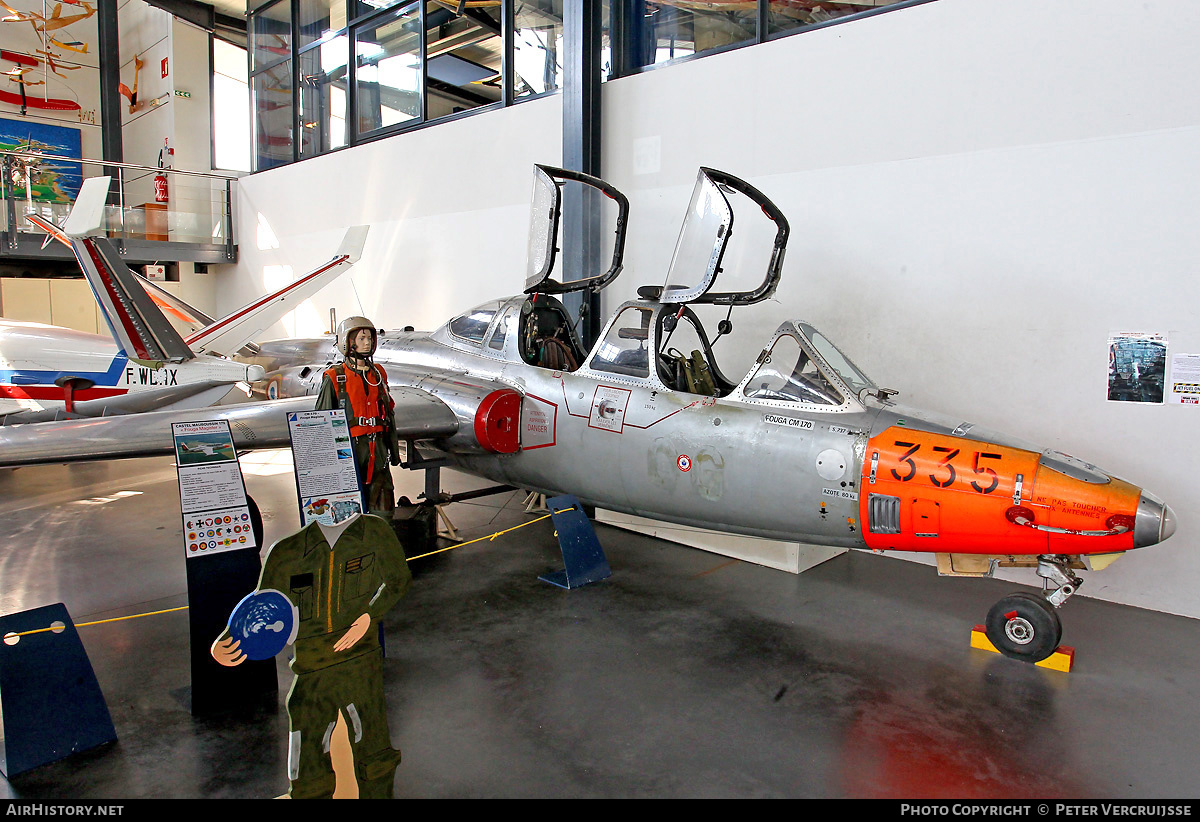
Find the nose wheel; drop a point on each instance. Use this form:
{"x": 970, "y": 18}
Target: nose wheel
{"x": 1024, "y": 627}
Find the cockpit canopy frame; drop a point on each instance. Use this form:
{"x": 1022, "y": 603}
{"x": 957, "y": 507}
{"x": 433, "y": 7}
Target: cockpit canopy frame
{"x": 544, "y": 219}
{"x": 801, "y": 368}
{"x": 703, "y": 239}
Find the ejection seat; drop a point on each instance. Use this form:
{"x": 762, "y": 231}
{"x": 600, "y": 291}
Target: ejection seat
{"x": 547, "y": 339}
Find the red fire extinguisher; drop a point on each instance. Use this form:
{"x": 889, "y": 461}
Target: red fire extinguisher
{"x": 160, "y": 180}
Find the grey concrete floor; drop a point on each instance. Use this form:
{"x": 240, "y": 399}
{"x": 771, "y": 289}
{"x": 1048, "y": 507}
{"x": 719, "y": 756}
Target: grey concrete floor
{"x": 685, "y": 674}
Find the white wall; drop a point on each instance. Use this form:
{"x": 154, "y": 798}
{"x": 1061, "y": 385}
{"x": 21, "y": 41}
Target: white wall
{"x": 448, "y": 209}
{"x": 144, "y": 33}
{"x": 978, "y": 193}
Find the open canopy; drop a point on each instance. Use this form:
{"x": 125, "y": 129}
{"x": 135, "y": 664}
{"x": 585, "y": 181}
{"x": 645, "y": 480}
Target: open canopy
{"x": 704, "y": 238}
{"x": 584, "y": 197}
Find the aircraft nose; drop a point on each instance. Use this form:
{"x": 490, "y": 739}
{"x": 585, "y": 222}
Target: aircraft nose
{"x": 1155, "y": 521}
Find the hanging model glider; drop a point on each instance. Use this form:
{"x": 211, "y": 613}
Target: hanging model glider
{"x": 804, "y": 447}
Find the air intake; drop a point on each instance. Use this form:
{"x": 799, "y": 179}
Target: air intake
{"x": 883, "y": 514}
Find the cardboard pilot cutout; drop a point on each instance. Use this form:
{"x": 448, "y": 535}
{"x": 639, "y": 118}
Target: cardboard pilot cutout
{"x": 325, "y": 588}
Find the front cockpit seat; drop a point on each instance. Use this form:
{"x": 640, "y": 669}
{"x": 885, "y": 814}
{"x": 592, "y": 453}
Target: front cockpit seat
{"x": 546, "y": 341}
{"x": 634, "y": 358}
{"x": 555, "y": 354}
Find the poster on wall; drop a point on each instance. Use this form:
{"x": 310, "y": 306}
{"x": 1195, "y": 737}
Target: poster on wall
{"x": 326, "y": 478}
{"x": 51, "y": 181}
{"x": 212, "y": 493}
{"x": 1185, "y": 380}
{"x": 1137, "y": 367}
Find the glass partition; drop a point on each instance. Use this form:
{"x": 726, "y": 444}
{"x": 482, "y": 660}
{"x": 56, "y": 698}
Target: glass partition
{"x": 414, "y": 63}
{"x": 317, "y": 19}
{"x": 388, "y": 54}
{"x": 789, "y": 15}
{"x": 670, "y": 30}
{"x": 270, "y": 35}
{"x": 324, "y": 79}
{"x": 274, "y": 119}
{"x": 361, "y": 8}
{"x": 464, "y": 55}
{"x": 537, "y": 47}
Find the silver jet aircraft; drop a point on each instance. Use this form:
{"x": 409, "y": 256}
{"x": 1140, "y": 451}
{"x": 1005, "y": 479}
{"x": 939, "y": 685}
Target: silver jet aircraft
{"x": 803, "y": 447}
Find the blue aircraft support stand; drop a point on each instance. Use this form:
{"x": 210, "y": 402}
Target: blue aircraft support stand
{"x": 584, "y": 558}
{"x": 51, "y": 702}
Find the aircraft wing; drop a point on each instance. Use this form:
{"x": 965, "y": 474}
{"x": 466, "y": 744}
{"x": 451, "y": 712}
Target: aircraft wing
{"x": 419, "y": 415}
{"x": 177, "y": 398}
{"x": 228, "y": 334}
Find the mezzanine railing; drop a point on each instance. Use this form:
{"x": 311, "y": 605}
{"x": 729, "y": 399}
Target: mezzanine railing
{"x": 197, "y": 210}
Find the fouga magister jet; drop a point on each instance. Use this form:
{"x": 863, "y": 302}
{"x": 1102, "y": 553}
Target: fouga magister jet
{"x": 804, "y": 447}
{"x": 47, "y": 372}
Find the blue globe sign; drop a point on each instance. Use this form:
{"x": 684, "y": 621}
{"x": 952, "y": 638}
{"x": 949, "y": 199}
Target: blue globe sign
{"x": 264, "y": 623}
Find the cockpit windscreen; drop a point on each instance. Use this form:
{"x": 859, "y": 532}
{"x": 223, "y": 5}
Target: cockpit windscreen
{"x": 840, "y": 363}
{"x": 543, "y": 228}
{"x": 788, "y": 374}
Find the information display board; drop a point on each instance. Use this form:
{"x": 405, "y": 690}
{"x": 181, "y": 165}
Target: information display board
{"x": 326, "y": 478}
{"x": 212, "y": 493}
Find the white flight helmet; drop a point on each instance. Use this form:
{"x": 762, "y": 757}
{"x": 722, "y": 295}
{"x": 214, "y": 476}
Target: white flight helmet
{"x": 347, "y": 327}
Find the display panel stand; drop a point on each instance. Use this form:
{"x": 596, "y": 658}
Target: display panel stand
{"x": 584, "y": 558}
{"x": 216, "y": 584}
{"x": 51, "y": 702}
{"x": 223, "y": 533}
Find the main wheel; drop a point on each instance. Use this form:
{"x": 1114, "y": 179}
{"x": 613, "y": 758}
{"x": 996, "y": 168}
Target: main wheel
{"x": 1024, "y": 627}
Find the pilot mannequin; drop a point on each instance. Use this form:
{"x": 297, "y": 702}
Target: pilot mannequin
{"x": 359, "y": 386}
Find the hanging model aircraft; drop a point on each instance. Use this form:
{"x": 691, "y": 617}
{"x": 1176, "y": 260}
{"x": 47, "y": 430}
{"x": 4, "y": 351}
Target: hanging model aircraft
{"x": 48, "y": 373}
{"x": 803, "y": 448}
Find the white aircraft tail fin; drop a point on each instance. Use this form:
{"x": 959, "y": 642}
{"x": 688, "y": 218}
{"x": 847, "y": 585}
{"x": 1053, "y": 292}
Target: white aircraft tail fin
{"x": 87, "y": 215}
{"x": 230, "y": 333}
{"x": 140, "y": 328}
{"x": 353, "y": 242}
{"x": 138, "y": 325}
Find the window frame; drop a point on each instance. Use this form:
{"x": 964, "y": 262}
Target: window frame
{"x": 623, "y": 30}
